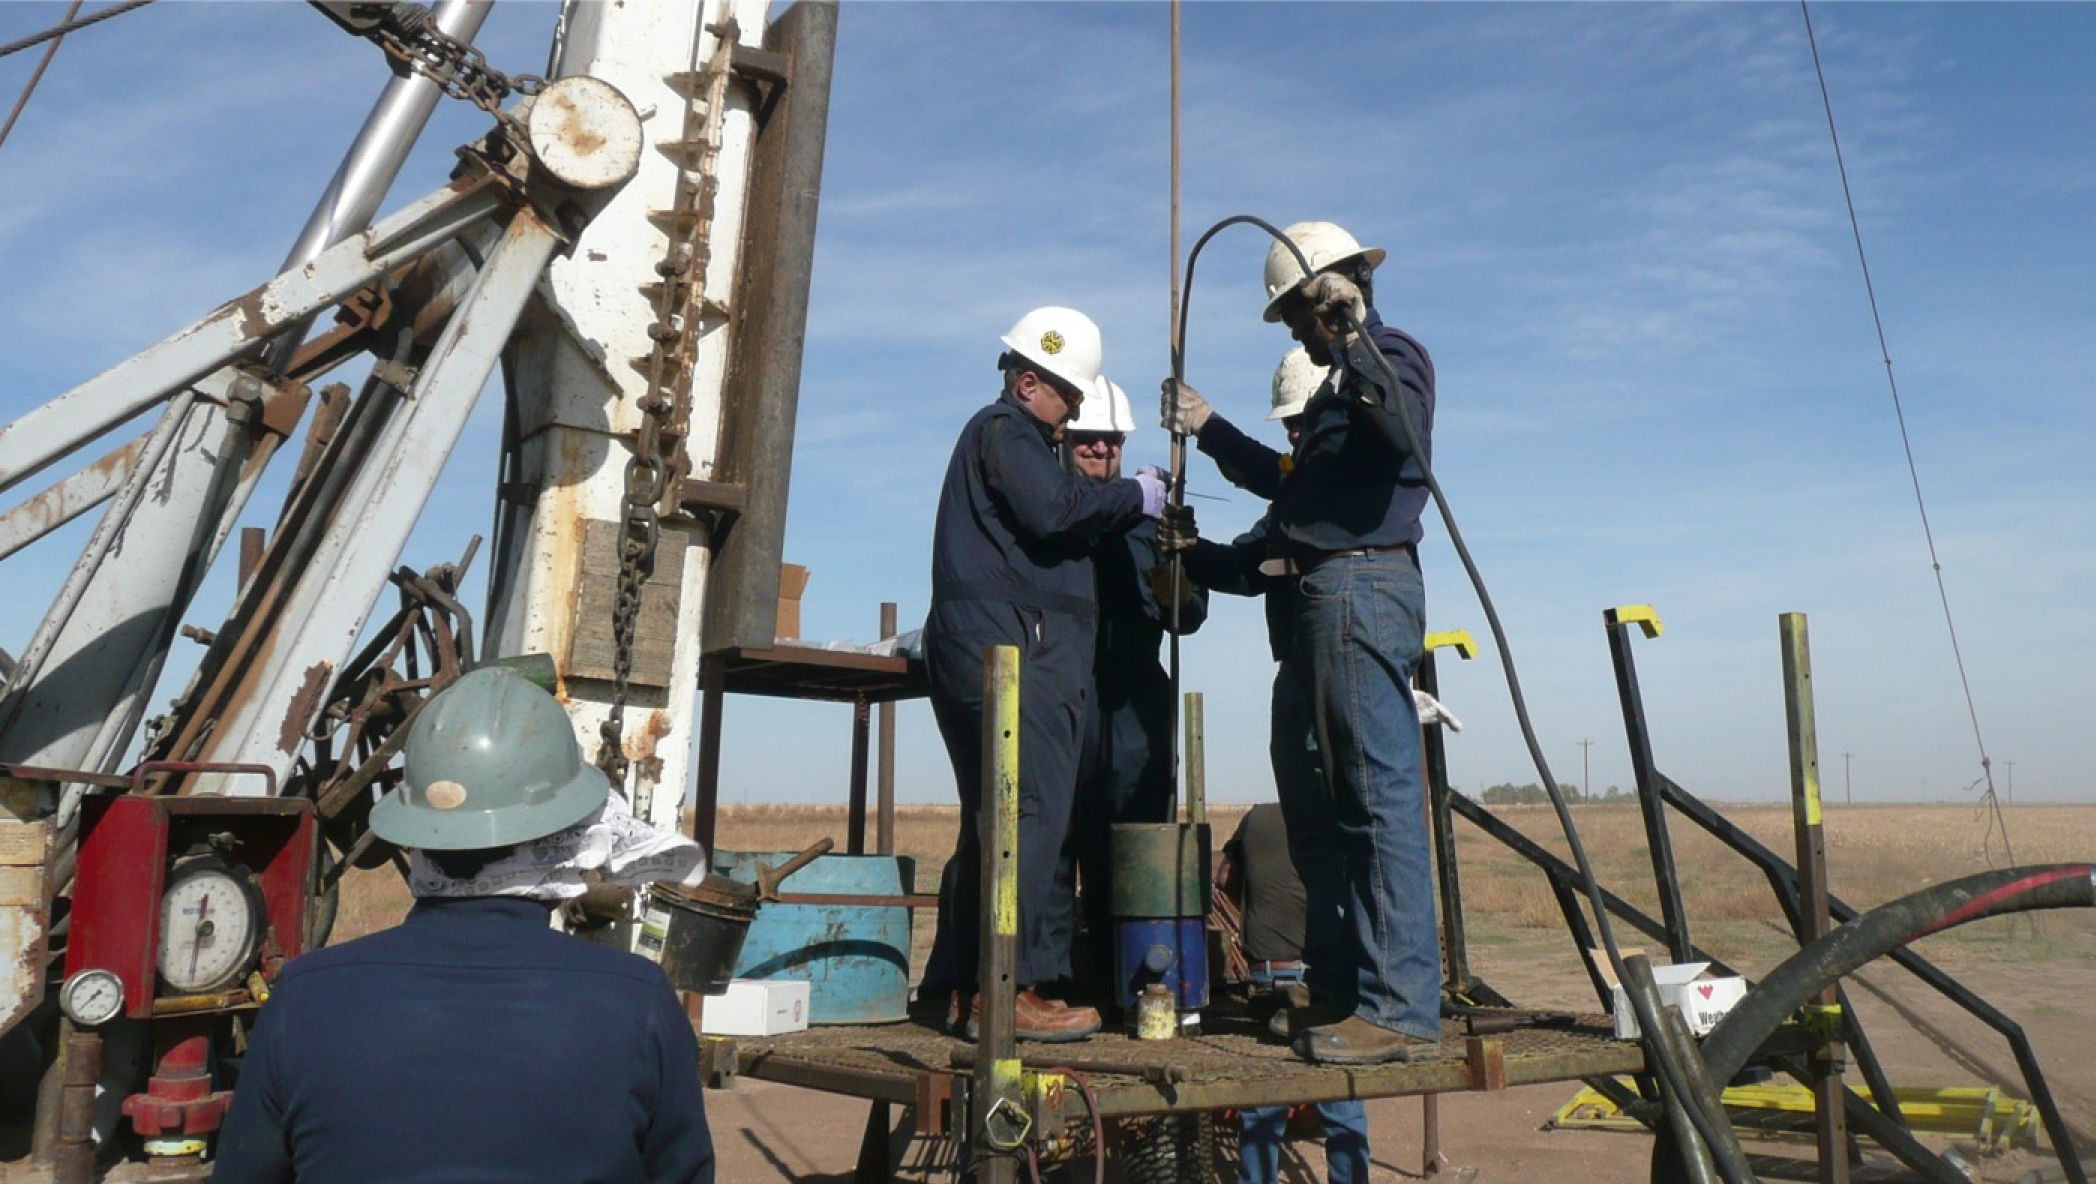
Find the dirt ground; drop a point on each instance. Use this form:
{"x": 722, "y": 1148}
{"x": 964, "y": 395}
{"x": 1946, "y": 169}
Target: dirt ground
{"x": 2039, "y": 976}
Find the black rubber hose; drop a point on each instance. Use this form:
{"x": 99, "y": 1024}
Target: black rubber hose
{"x": 1871, "y": 936}
{"x": 1877, "y": 933}
{"x": 1671, "y": 1072}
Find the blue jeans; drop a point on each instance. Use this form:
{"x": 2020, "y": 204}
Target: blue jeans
{"x": 1306, "y": 807}
{"x": 1346, "y": 1143}
{"x": 1359, "y": 634}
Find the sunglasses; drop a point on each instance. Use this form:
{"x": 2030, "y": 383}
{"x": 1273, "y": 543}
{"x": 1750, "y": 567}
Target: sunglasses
{"x": 1110, "y": 439}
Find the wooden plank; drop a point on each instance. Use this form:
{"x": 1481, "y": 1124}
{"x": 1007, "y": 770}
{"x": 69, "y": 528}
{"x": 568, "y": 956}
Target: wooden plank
{"x": 591, "y": 647}
{"x": 22, "y": 843}
{"x": 21, "y": 886}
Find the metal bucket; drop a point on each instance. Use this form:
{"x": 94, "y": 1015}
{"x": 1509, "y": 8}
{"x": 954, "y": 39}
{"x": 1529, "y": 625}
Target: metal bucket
{"x": 856, "y": 957}
{"x": 697, "y": 933}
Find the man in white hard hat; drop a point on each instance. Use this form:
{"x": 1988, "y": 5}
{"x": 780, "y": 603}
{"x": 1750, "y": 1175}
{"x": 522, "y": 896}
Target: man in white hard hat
{"x": 1125, "y": 767}
{"x": 1345, "y": 526}
{"x": 1012, "y": 553}
{"x": 473, "y": 1041}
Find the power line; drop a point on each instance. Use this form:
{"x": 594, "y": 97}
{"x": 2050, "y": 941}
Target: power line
{"x": 1906, "y": 445}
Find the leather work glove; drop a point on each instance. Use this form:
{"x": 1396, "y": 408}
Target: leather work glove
{"x": 1183, "y": 409}
{"x": 1332, "y": 297}
{"x": 1160, "y": 578}
{"x": 1151, "y": 478}
{"x": 1176, "y": 531}
{"x": 1433, "y": 711}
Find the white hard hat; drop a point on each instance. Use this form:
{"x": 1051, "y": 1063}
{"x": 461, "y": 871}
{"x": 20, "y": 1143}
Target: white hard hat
{"x": 1105, "y": 411}
{"x": 1295, "y": 380}
{"x": 1323, "y": 244}
{"x": 1062, "y": 341}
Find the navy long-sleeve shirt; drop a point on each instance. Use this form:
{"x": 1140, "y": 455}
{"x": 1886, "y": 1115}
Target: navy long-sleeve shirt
{"x": 471, "y": 1044}
{"x": 1014, "y": 526}
{"x": 1352, "y": 480}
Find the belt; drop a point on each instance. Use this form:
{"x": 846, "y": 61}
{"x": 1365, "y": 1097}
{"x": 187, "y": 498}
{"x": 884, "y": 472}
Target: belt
{"x": 1294, "y": 967}
{"x": 1302, "y": 564}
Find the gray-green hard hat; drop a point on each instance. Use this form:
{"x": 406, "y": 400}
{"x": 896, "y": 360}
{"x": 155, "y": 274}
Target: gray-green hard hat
{"x": 490, "y": 761}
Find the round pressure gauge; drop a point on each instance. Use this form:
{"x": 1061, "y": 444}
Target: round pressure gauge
{"x": 211, "y": 923}
{"x": 92, "y": 997}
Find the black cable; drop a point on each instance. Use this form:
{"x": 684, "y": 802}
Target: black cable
{"x": 1671, "y": 1073}
{"x": 61, "y": 29}
{"x": 1907, "y": 447}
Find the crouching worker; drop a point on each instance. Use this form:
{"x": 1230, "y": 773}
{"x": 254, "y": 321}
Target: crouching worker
{"x": 474, "y": 1041}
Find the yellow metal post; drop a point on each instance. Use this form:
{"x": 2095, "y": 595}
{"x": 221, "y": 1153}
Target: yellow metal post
{"x": 997, "y": 1110}
{"x": 1830, "y": 1119}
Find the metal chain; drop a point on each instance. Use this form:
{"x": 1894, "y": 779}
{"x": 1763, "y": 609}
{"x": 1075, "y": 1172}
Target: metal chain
{"x": 665, "y": 409}
{"x": 410, "y": 36}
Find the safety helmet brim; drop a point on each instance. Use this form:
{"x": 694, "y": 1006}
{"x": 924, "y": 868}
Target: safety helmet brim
{"x": 1374, "y": 256}
{"x": 409, "y": 824}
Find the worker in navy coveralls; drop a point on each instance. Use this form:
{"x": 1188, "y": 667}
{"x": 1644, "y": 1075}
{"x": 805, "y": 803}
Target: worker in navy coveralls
{"x": 1345, "y": 527}
{"x": 1125, "y": 766}
{"x": 1012, "y": 565}
{"x": 473, "y": 1041}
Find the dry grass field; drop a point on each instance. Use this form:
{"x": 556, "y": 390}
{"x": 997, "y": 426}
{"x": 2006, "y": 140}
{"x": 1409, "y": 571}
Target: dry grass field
{"x": 2039, "y": 973}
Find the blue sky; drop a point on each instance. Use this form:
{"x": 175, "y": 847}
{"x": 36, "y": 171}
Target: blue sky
{"x": 1618, "y": 228}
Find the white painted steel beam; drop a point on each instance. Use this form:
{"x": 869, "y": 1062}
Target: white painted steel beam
{"x": 237, "y": 328}
{"x": 579, "y": 361}
{"x": 38, "y": 516}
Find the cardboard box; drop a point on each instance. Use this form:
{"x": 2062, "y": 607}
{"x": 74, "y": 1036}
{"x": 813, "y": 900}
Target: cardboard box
{"x": 793, "y": 580}
{"x": 757, "y": 1007}
{"x": 1701, "y": 1001}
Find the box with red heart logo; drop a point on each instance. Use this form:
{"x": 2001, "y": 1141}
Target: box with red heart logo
{"x": 1702, "y": 1001}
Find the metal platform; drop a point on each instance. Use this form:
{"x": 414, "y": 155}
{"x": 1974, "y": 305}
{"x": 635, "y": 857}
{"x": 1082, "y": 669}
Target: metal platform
{"x": 1231, "y": 1064}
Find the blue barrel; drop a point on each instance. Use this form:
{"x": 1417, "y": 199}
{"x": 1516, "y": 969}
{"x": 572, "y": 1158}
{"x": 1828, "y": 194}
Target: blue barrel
{"x": 855, "y": 957}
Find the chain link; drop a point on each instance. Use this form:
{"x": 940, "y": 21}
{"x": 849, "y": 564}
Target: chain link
{"x": 666, "y": 408}
{"x": 410, "y": 37}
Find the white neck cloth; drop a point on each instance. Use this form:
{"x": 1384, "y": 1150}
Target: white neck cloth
{"x": 610, "y": 846}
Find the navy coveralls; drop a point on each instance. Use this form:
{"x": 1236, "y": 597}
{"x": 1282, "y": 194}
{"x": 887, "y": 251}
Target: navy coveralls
{"x": 1125, "y": 770}
{"x": 471, "y": 1042}
{"x": 1012, "y": 565}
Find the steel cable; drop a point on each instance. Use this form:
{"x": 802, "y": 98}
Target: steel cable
{"x": 62, "y": 28}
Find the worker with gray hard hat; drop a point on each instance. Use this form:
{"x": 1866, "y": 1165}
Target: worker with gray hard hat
{"x": 1345, "y": 527}
{"x": 1125, "y": 762}
{"x": 474, "y": 1041}
{"x": 1012, "y": 548}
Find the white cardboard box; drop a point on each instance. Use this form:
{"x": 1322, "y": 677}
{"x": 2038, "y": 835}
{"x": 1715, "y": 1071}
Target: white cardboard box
{"x": 757, "y": 1007}
{"x": 1702, "y": 1001}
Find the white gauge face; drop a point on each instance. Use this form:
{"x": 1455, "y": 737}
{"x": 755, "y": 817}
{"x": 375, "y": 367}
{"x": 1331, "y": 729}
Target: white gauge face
{"x": 210, "y": 926}
{"x": 92, "y": 997}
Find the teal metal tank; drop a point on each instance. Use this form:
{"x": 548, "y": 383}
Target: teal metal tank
{"x": 856, "y": 957}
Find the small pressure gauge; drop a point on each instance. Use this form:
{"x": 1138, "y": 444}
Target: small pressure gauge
{"x": 211, "y": 923}
{"x": 92, "y": 998}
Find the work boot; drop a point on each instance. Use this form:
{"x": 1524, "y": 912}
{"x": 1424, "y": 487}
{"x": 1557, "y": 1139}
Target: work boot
{"x": 1355, "y": 1041}
{"x": 1292, "y": 1021}
{"x": 1036, "y": 1018}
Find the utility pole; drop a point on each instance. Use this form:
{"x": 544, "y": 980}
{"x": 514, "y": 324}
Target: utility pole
{"x": 2011, "y": 767}
{"x": 1586, "y": 781}
{"x": 1848, "y": 787}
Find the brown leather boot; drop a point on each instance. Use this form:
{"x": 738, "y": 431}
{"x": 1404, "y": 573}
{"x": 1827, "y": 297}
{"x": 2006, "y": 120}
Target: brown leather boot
{"x": 1035, "y": 1018}
{"x": 1355, "y": 1041}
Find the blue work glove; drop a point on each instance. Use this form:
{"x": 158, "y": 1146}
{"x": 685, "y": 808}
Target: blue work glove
{"x": 1152, "y": 480}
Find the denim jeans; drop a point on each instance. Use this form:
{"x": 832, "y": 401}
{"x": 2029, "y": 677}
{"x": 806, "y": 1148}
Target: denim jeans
{"x": 1359, "y": 634}
{"x": 1346, "y": 1143}
{"x": 1306, "y": 807}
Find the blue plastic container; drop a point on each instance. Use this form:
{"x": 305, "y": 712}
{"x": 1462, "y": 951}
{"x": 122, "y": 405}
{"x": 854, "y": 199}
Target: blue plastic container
{"x": 855, "y": 957}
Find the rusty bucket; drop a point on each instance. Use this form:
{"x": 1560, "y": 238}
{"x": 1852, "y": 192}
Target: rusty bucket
{"x": 696, "y": 932}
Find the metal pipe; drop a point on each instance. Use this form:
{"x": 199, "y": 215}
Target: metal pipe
{"x": 1829, "y": 1115}
{"x": 1619, "y": 622}
{"x": 997, "y": 1094}
{"x": 885, "y": 779}
{"x": 373, "y": 162}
